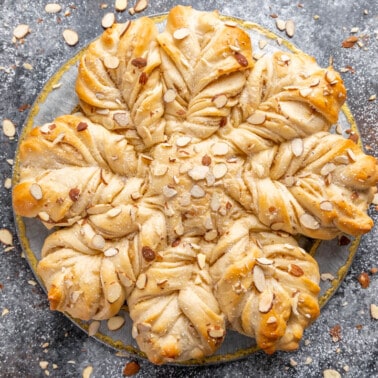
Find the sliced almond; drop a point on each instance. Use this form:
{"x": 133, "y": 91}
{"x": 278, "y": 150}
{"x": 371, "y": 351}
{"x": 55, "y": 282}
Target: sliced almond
{"x": 93, "y": 327}
{"x": 140, "y": 6}
{"x": 262, "y": 44}
{"x": 220, "y": 100}
{"x": 120, "y": 5}
{"x": 125, "y": 280}
{"x": 114, "y": 212}
{"x": 331, "y": 373}
{"x": 71, "y": 37}
{"x": 36, "y": 191}
{"x": 276, "y": 226}
{"x": 99, "y": 209}
{"x": 169, "y": 192}
{"x": 215, "y": 202}
{"x": 9, "y": 129}
{"x": 115, "y": 322}
{"x": 264, "y": 261}
{"x": 327, "y": 276}
{"x": 327, "y": 169}
{"x": 114, "y": 292}
{"x": 8, "y": 183}
{"x": 256, "y": 118}
{"x": 197, "y": 192}
{"x": 98, "y": 242}
{"x": 122, "y": 118}
{"x": 341, "y": 159}
{"x": 374, "y": 311}
{"x": 183, "y": 141}
{"x": 108, "y": 20}
{"x": 220, "y": 148}
{"x": 266, "y": 301}
{"x": 53, "y": 8}
{"x": 281, "y": 24}
{"x": 6, "y": 237}
{"x": 211, "y": 235}
{"x": 308, "y": 221}
{"x": 259, "y": 278}
{"x": 181, "y": 33}
{"x": 290, "y": 28}
{"x": 305, "y": 92}
{"x": 43, "y": 216}
{"x": 201, "y": 260}
{"x": 198, "y": 172}
{"x": 159, "y": 169}
{"x": 219, "y": 170}
{"x": 331, "y": 77}
{"x": 315, "y": 82}
{"x": 326, "y": 206}
{"x": 21, "y": 31}
{"x": 216, "y": 333}
{"x": 110, "y": 252}
{"x": 169, "y": 95}
{"x": 111, "y": 62}
{"x": 297, "y": 146}
{"x": 210, "y": 179}
{"x": 141, "y": 281}
{"x": 230, "y": 23}
{"x": 351, "y": 155}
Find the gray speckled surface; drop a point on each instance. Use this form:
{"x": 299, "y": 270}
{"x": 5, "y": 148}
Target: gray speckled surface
{"x": 30, "y": 333}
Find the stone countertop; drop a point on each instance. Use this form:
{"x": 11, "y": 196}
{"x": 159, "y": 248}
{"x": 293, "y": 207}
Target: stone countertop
{"x": 32, "y": 335}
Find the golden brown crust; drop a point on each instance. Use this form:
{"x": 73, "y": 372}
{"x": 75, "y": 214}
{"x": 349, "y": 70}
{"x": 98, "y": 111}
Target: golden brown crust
{"x": 176, "y": 185}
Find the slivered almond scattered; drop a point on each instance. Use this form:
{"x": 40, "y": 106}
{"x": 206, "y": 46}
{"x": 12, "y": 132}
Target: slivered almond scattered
{"x": 308, "y": 221}
{"x": 120, "y": 5}
{"x": 108, "y": 20}
{"x": 266, "y": 301}
{"x": 36, "y": 191}
{"x": 140, "y": 6}
{"x": 181, "y": 33}
{"x": 290, "y": 28}
{"x": 93, "y": 328}
{"x": 115, "y": 322}
{"x": 98, "y": 242}
{"x": 256, "y": 118}
{"x": 220, "y": 148}
{"x": 6, "y": 236}
{"x": 219, "y": 170}
{"x": 71, "y": 37}
{"x": 111, "y": 62}
{"x": 169, "y": 95}
{"x": 53, "y": 8}
{"x": 21, "y": 31}
{"x": 220, "y": 100}
{"x": 259, "y": 278}
{"x": 281, "y": 24}
{"x": 114, "y": 292}
{"x": 9, "y": 129}
{"x": 141, "y": 281}
{"x": 297, "y": 146}
{"x": 183, "y": 141}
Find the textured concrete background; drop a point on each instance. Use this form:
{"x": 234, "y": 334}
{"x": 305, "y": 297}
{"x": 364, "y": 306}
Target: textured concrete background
{"x": 30, "y": 333}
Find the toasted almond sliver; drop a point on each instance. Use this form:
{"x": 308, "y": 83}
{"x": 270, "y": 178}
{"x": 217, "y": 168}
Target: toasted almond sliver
{"x": 9, "y": 128}
{"x": 266, "y": 301}
{"x": 264, "y": 261}
{"x": 198, "y": 172}
{"x": 111, "y": 62}
{"x": 305, "y": 92}
{"x": 114, "y": 292}
{"x": 114, "y": 212}
{"x": 140, "y": 6}
{"x": 297, "y": 146}
{"x": 327, "y": 169}
{"x": 181, "y": 33}
{"x": 256, "y": 118}
{"x": 327, "y": 276}
{"x": 219, "y": 170}
{"x": 308, "y": 221}
{"x": 259, "y": 278}
{"x": 93, "y": 327}
{"x": 290, "y": 28}
{"x": 115, "y": 322}
{"x": 211, "y": 235}
{"x": 169, "y": 95}
{"x": 197, "y": 192}
{"x": 20, "y": 31}
{"x": 220, "y": 101}
{"x": 53, "y": 8}
{"x": 87, "y": 372}
{"x": 201, "y": 260}
{"x": 262, "y": 44}
{"x": 330, "y": 76}
{"x": 141, "y": 281}
{"x": 281, "y": 24}
{"x": 230, "y": 23}
{"x": 120, "y": 5}
{"x": 43, "y": 216}
{"x": 183, "y": 141}
{"x": 108, "y": 20}
{"x": 326, "y": 206}
{"x": 71, "y": 37}
{"x": 374, "y": 311}
{"x": 6, "y": 236}
{"x": 216, "y": 333}
{"x": 36, "y": 191}
{"x": 98, "y": 242}
{"x": 220, "y": 148}
{"x": 110, "y": 252}
{"x": 169, "y": 192}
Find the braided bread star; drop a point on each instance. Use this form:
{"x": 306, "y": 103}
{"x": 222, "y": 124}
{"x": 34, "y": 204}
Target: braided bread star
{"x": 179, "y": 186}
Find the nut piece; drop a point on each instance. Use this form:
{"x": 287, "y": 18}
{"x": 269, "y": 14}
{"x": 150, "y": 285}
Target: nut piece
{"x": 326, "y": 206}
{"x": 98, "y": 242}
{"x": 216, "y": 333}
{"x": 111, "y": 62}
{"x": 198, "y": 172}
{"x": 114, "y": 292}
{"x": 169, "y": 95}
{"x": 53, "y": 8}
{"x": 122, "y": 118}
{"x": 281, "y": 24}
{"x": 220, "y": 100}
{"x": 9, "y": 128}
{"x": 259, "y": 278}
{"x": 374, "y": 311}
{"x": 148, "y": 253}
{"x": 181, "y": 33}
{"x": 140, "y": 6}
{"x": 131, "y": 368}
{"x": 120, "y": 5}
{"x": 197, "y": 192}
{"x": 115, "y": 322}
{"x": 330, "y": 373}
{"x": 87, "y": 372}
{"x": 141, "y": 281}
{"x": 241, "y": 59}
{"x": 108, "y": 20}
{"x": 256, "y": 118}
{"x": 93, "y": 328}
{"x": 110, "y": 252}
{"x": 266, "y": 301}
{"x": 169, "y": 192}
{"x": 309, "y": 221}
{"x": 295, "y": 270}
{"x": 36, "y": 191}
{"x": 290, "y": 28}
{"x": 220, "y": 148}
{"x": 21, "y": 31}
{"x": 183, "y": 141}
{"x": 6, "y": 237}
{"x": 219, "y": 170}
{"x": 297, "y": 146}
{"x": 201, "y": 260}
{"x": 71, "y": 37}
{"x": 364, "y": 280}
